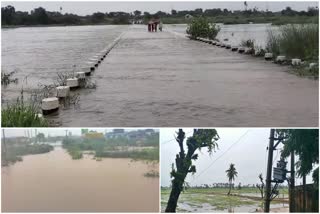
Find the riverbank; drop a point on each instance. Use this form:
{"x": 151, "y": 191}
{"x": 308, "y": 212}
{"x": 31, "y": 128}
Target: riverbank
{"x": 14, "y": 153}
{"x": 232, "y": 19}
{"x": 146, "y": 149}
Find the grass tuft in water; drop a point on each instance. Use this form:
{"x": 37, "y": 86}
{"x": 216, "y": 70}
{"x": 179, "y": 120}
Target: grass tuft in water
{"x": 20, "y": 114}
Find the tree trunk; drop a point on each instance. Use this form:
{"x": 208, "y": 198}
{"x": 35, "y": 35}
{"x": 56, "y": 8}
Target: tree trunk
{"x": 174, "y": 196}
{"x": 4, "y": 149}
{"x": 229, "y": 188}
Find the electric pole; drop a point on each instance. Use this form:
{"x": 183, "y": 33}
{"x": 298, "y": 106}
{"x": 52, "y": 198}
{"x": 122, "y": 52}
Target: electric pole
{"x": 269, "y": 172}
{"x": 292, "y": 184}
{"x": 36, "y": 136}
{"x": 4, "y": 147}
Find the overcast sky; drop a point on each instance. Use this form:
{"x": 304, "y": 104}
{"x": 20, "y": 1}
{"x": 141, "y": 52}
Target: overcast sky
{"x": 249, "y": 155}
{"x": 89, "y": 7}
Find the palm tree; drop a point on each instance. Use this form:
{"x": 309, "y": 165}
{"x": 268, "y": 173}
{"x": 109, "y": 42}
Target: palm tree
{"x": 231, "y": 174}
{"x": 245, "y": 5}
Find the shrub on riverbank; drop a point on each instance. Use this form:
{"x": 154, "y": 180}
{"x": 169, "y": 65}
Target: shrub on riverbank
{"x": 248, "y": 43}
{"x": 295, "y": 41}
{"x": 151, "y": 174}
{"x": 7, "y": 78}
{"x": 151, "y": 154}
{"x": 75, "y": 154}
{"x": 14, "y": 153}
{"x": 201, "y": 27}
{"x": 20, "y": 114}
{"x": 114, "y": 148}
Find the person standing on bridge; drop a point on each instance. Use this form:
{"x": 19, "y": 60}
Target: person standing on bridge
{"x": 160, "y": 26}
{"x": 150, "y": 23}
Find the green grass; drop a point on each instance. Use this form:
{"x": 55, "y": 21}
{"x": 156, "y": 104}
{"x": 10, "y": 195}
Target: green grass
{"x": 20, "y": 114}
{"x": 295, "y": 41}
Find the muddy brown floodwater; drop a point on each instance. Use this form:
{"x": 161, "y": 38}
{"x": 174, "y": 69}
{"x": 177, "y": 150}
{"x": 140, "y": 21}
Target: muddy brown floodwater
{"x": 53, "y": 182}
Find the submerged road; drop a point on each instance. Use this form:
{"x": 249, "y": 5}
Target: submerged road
{"x": 165, "y": 80}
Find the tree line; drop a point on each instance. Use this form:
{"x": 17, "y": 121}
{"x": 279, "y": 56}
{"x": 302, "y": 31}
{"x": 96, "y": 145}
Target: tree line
{"x": 40, "y": 16}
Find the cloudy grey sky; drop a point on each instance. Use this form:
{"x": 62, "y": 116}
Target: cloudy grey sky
{"x": 89, "y": 7}
{"x": 246, "y": 148}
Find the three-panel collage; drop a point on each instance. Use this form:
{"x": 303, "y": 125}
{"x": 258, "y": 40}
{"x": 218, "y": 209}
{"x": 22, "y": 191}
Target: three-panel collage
{"x": 159, "y": 106}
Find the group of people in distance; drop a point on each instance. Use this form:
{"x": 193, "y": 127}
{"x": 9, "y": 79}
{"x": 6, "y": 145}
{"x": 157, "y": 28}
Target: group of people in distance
{"x": 153, "y": 25}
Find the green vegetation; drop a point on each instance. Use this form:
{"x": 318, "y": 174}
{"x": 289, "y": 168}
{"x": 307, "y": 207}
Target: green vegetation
{"x": 20, "y": 114}
{"x": 231, "y": 174}
{"x": 201, "y": 138}
{"x": 295, "y": 41}
{"x": 13, "y": 152}
{"x": 305, "y": 144}
{"x": 151, "y": 154}
{"x": 6, "y": 78}
{"x": 75, "y": 154}
{"x": 247, "y": 43}
{"x": 152, "y": 174}
{"x": 200, "y": 27}
{"x": 198, "y": 198}
{"x": 120, "y": 147}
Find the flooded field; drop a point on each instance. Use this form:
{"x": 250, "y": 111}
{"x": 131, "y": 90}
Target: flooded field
{"x": 218, "y": 201}
{"x": 53, "y": 182}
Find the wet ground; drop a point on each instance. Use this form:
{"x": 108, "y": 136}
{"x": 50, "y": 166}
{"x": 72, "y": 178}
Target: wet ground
{"x": 164, "y": 79}
{"x": 211, "y": 202}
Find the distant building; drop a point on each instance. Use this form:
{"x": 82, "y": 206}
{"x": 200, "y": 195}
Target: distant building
{"x": 115, "y": 134}
{"x": 149, "y": 132}
{"x": 93, "y": 135}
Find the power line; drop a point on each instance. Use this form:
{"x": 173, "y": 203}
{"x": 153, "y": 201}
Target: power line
{"x": 165, "y": 142}
{"x": 237, "y": 141}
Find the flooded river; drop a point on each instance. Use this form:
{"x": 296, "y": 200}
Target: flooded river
{"x": 237, "y": 33}
{"x": 53, "y": 182}
{"x": 161, "y": 79}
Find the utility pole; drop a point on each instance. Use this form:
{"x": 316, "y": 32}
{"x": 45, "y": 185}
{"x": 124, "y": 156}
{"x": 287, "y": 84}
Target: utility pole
{"x": 36, "y": 135}
{"x": 304, "y": 202}
{"x": 292, "y": 184}
{"x": 4, "y": 147}
{"x": 269, "y": 172}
